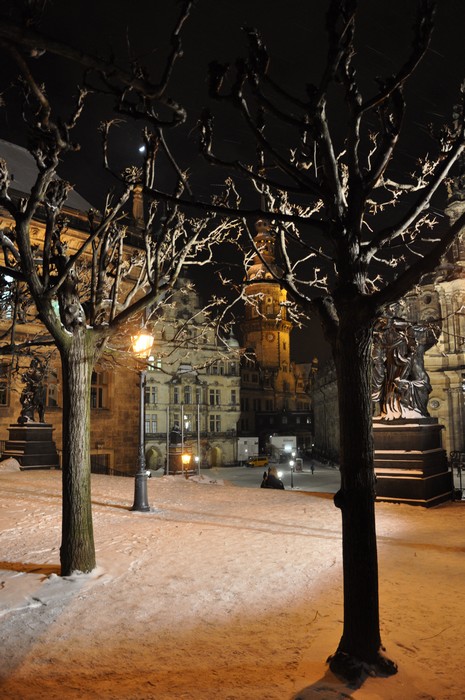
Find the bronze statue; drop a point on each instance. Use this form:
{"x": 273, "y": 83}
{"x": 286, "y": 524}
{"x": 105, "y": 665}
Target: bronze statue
{"x": 175, "y": 435}
{"x": 34, "y": 394}
{"x": 400, "y": 383}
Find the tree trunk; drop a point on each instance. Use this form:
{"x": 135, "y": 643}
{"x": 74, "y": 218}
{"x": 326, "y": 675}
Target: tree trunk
{"x": 359, "y": 650}
{"x": 77, "y": 551}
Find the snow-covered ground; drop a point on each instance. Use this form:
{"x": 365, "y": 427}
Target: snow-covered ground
{"x": 219, "y": 593}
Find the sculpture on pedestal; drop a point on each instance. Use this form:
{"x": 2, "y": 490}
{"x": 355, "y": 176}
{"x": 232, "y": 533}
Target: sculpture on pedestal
{"x": 400, "y": 383}
{"x": 175, "y": 435}
{"x": 34, "y": 394}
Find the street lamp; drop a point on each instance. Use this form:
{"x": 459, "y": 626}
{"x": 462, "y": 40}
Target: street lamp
{"x": 142, "y": 346}
{"x": 186, "y": 460}
{"x": 291, "y": 464}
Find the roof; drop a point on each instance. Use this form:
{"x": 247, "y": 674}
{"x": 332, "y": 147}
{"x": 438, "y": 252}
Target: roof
{"x": 23, "y": 170}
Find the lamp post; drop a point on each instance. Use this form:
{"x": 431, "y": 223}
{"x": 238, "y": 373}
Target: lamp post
{"x": 141, "y": 345}
{"x": 291, "y": 464}
{"x": 186, "y": 460}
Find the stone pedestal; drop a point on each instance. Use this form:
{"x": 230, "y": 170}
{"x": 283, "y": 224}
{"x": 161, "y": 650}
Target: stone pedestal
{"x": 32, "y": 445}
{"x": 175, "y": 465}
{"x": 410, "y": 464}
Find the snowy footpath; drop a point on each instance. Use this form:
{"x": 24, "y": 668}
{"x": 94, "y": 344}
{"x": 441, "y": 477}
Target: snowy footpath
{"x": 219, "y": 593}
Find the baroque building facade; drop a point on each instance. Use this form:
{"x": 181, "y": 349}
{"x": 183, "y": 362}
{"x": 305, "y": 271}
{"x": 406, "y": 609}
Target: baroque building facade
{"x": 200, "y": 389}
{"x": 192, "y": 386}
{"x": 274, "y": 391}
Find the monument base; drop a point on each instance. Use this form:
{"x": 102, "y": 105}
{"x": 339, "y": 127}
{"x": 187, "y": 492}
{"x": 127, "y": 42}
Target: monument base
{"x": 31, "y": 444}
{"x": 175, "y": 463}
{"x": 410, "y": 464}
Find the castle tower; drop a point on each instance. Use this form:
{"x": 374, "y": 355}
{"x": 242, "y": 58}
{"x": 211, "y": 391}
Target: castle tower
{"x": 266, "y": 327}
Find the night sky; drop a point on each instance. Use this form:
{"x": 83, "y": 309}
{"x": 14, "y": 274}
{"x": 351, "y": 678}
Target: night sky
{"x": 295, "y": 36}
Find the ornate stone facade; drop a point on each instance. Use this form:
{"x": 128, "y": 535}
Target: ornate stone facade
{"x": 193, "y": 385}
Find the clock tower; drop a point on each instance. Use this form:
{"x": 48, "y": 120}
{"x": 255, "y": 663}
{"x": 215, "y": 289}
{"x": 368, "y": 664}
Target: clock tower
{"x": 274, "y": 391}
{"x": 266, "y": 328}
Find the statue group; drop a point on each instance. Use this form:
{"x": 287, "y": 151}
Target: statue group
{"x": 33, "y": 396}
{"x": 400, "y": 383}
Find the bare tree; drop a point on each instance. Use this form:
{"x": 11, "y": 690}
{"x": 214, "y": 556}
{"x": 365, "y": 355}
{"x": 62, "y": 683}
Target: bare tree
{"x": 327, "y": 190}
{"x": 94, "y": 288}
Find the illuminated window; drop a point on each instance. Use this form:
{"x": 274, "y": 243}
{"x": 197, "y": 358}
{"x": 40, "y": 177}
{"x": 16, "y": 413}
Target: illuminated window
{"x": 151, "y": 423}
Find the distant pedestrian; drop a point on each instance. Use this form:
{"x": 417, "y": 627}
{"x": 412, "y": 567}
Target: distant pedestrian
{"x": 312, "y": 467}
{"x": 264, "y": 480}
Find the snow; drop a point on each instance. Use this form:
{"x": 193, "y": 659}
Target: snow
{"x": 218, "y": 593}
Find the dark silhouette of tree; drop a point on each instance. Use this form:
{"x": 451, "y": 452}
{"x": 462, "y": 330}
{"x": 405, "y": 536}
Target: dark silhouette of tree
{"x": 91, "y": 291}
{"x": 352, "y": 235}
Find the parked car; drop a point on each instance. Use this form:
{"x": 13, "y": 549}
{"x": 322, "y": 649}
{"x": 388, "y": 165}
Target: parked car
{"x": 258, "y": 461}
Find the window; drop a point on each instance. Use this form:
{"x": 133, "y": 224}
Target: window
{"x": 154, "y": 363}
{"x": 151, "y": 423}
{"x": 233, "y": 396}
{"x": 187, "y": 394}
{"x": 214, "y": 368}
{"x": 198, "y": 394}
{"x": 4, "y": 384}
{"x": 232, "y": 368}
{"x": 175, "y": 394}
{"x": 52, "y": 388}
{"x": 99, "y": 390}
{"x": 269, "y": 404}
{"x": 187, "y": 422}
{"x": 151, "y": 395}
{"x": 257, "y": 405}
{"x": 215, "y": 397}
{"x": 215, "y": 423}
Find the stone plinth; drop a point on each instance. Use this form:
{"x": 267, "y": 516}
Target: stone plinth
{"x": 32, "y": 445}
{"x": 410, "y": 464}
{"x": 175, "y": 465}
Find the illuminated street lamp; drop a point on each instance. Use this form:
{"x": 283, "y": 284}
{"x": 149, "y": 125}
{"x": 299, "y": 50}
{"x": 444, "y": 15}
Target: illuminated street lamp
{"x": 291, "y": 464}
{"x": 186, "y": 460}
{"x": 142, "y": 346}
